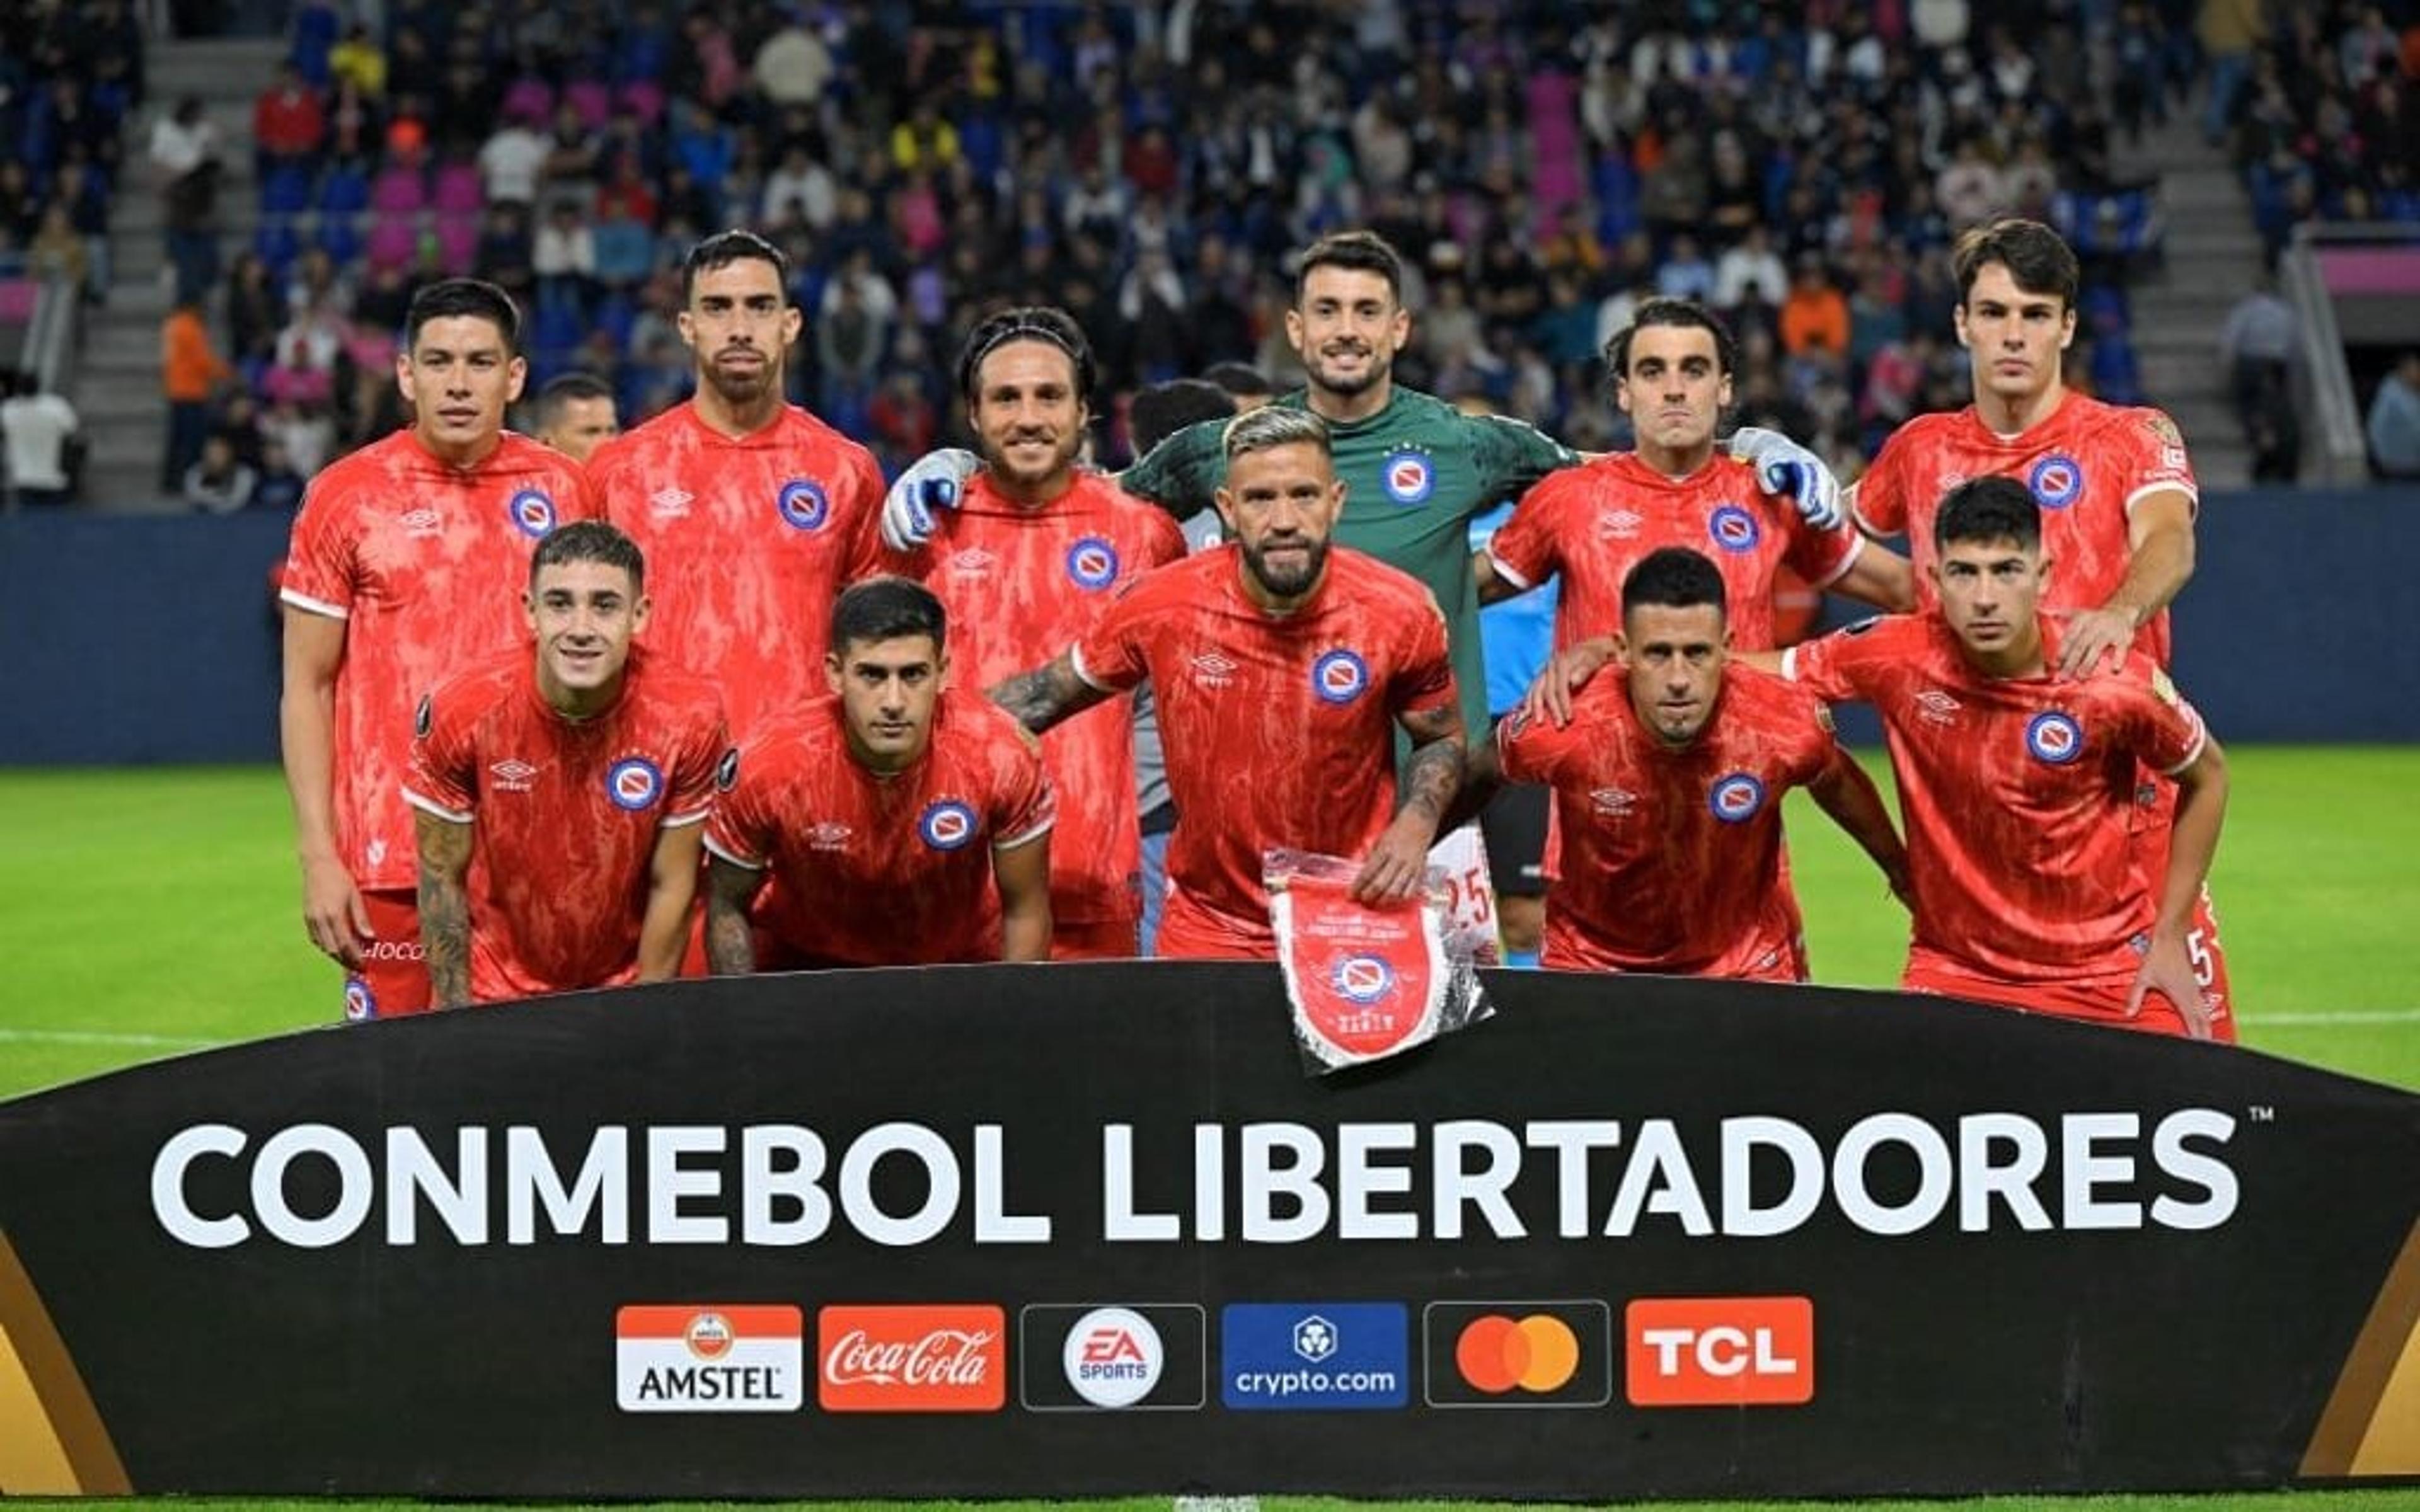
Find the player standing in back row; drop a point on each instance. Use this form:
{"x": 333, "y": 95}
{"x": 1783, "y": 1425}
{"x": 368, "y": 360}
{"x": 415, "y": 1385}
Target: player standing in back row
{"x": 407, "y": 564}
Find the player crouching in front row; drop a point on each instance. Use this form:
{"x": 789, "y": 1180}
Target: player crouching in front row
{"x": 559, "y": 795}
{"x": 900, "y": 822}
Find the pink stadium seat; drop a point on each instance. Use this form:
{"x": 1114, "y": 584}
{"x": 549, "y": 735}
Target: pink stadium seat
{"x": 594, "y": 101}
{"x": 393, "y": 241}
{"x": 457, "y": 244}
{"x": 399, "y": 191}
{"x": 644, "y": 99}
{"x": 459, "y": 191}
{"x": 529, "y": 100}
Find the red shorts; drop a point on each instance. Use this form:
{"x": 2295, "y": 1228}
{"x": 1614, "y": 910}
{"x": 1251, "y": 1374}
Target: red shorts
{"x": 1189, "y": 932}
{"x": 1096, "y": 939}
{"x": 2068, "y": 1000}
{"x": 392, "y": 978}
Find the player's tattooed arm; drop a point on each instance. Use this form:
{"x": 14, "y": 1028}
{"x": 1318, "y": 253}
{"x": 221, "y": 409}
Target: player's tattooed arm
{"x": 445, "y": 906}
{"x": 1044, "y": 695}
{"x": 1482, "y": 777}
{"x": 730, "y": 941}
{"x": 1398, "y": 862}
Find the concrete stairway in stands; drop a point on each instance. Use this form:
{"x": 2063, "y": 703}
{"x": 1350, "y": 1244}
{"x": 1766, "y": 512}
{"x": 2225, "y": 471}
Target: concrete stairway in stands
{"x": 2213, "y": 254}
{"x": 118, "y": 368}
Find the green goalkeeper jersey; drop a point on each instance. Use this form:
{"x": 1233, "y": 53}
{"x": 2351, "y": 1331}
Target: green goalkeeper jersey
{"x": 1413, "y": 474}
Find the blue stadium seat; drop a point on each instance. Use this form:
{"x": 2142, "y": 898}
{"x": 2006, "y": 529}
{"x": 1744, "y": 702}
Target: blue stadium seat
{"x": 277, "y": 243}
{"x": 287, "y": 191}
{"x": 345, "y": 189}
{"x": 340, "y": 237}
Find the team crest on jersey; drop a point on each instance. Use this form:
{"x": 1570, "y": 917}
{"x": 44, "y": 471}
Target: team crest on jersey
{"x": 946, "y": 825}
{"x": 532, "y": 512}
{"x": 360, "y": 1002}
{"x": 1092, "y": 563}
{"x": 1736, "y": 800}
{"x": 1339, "y": 677}
{"x": 1408, "y": 476}
{"x": 803, "y": 504}
{"x": 1361, "y": 978}
{"x": 2055, "y": 737}
{"x": 634, "y": 783}
{"x": 1733, "y": 529}
{"x": 2056, "y": 480}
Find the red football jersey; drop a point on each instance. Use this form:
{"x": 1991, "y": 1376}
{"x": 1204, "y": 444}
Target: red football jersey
{"x": 1593, "y": 524}
{"x": 1672, "y": 857}
{"x": 747, "y": 540}
{"x": 2017, "y": 795}
{"x": 427, "y": 566}
{"x": 1279, "y": 730}
{"x": 876, "y": 872}
{"x": 565, "y": 813}
{"x": 1021, "y": 584}
{"x": 2088, "y": 463}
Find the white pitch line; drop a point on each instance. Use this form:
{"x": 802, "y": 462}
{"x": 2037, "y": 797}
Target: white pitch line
{"x": 167, "y": 1041}
{"x": 2377, "y": 1015}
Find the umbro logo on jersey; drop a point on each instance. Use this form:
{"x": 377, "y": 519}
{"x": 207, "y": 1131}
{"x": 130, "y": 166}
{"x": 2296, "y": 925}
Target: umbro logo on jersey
{"x": 829, "y": 836}
{"x": 1618, "y": 524}
{"x": 421, "y": 523}
{"x": 512, "y": 774}
{"x": 1614, "y": 803}
{"x": 1933, "y": 706}
{"x": 1210, "y": 670}
{"x": 974, "y": 562}
{"x": 669, "y": 503}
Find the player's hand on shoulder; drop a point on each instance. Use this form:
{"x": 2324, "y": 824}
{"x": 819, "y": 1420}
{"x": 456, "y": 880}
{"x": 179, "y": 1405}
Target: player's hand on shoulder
{"x": 934, "y": 481}
{"x": 1565, "y": 673}
{"x": 1786, "y": 469}
{"x": 2093, "y": 641}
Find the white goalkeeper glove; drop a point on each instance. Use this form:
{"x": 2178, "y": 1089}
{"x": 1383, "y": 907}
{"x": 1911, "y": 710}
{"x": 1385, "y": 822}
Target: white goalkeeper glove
{"x": 933, "y": 482}
{"x": 1783, "y": 466}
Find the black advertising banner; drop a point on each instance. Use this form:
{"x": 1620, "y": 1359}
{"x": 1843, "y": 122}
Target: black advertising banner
{"x": 1088, "y": 1229}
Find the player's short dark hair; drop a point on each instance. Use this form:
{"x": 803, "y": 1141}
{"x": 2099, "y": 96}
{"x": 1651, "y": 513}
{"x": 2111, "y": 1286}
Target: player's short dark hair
{"x": 1674, "y": 576}
{"x": 1163, "y": 410}
{"x": 1031, "y": 322}
{"x": 1241, "y": 380}
{"x": 474, "y": 296}
{"x": 887, "y": 607}
{"x": 570, "y": 388}
{"x": 1361, "y": 251}
{"x": 589, "y": 540}
{"x": 1987, "y": 510}
{"x": 1663, "y": 311}
{"x": 725, "y": 248}
{"x": 2036, "y": 257}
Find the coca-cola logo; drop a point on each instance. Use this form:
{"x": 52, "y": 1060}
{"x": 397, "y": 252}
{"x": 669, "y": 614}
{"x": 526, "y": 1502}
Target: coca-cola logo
{"x": 912, "y": 1358}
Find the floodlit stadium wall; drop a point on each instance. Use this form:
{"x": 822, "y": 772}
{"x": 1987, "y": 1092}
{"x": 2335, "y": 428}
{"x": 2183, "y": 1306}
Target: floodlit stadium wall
{"x": 1091, "y": 1229}
{"x": 127, "y": 640}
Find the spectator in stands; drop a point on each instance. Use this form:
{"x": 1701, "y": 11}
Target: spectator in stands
{"x": 2394, "y": 424}
{"x": 1815, "y": 316}
{"x": 39, "y": 431}
{"x": 184, "y": 149}
{"x": 279, "y": 485}
{"x": 219, "y": 483}
{"x": 2257, "y": 349}
{"x": 575, "y": 415}
{"x": 288, "y": 122}
{"x": 191, "y": 374}
{"x": 1750, "y": 263}
{"x": 56, "y": 256}
{"x": 1247, "y": 386}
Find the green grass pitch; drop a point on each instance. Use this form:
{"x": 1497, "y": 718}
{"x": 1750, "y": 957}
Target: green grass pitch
{"x": 143, "y": 913}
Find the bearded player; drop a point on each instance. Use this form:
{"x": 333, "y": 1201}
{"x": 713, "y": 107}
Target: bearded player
{"x": 407, "y": 564}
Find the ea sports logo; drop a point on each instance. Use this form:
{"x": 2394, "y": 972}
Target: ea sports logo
{"x": 1093, "y": 563}
{"x": 1498, "y": 1355}
{"x": 1735, "y": 799}
{"x": 1361, "y": 978}
{"x": 708, "y": 1335}
{"x": 802, "y": 504}
{"x": 2056, "y": 480}
{"x": 532, "y": 512}
{"x": 1408, "y": 476}
{"x": 1114, "y": 1357}
{"x": 634, "y": 783}
{"x": 2055, "y": 737}
{"x": 1339, "y": 677}
{"x": 1735, "y": 528}
{"x": 947, "y": 825}
{"x": 360, "y": 1002}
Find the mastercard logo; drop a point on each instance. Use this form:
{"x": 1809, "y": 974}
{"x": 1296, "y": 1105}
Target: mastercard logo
{"x": 1536, "y": 1354}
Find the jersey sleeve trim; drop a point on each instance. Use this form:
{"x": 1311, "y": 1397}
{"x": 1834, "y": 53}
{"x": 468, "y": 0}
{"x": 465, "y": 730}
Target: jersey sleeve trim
{"x": 436, "y": 810}
{"x": 682, "y": 821}
{"x": 1011, "y": 843}
{"x": 1856, "y": 549}
{"x": 313, "y": 606}
{"x": 2192, "y": 493}
{"x": 1790, "y": 664}
{"x": 1076, "y": 659}
{"x": 743, "y": 862}
{"x": 2201, "y": 739}
{"x": 1508, "y": 574}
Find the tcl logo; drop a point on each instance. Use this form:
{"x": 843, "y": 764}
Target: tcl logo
{"x": 1720, "y": 1351}
{"x": 912, "y": 1358}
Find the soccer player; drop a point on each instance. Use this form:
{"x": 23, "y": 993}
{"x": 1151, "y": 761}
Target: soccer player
{"x": 575, "y": 415}
{"x": 2017, "y": 784}
{"x": 562, "y": 792}
{"x": 1670, "y": 371}
{"x": 406, "y": 565}
{"x": 1668, "y": 786}
{"x": 1281, "y": 666}
{"x": 1034, "y": 550}
{"x": 749, "y": 510}
{"x": 899, "y": 821}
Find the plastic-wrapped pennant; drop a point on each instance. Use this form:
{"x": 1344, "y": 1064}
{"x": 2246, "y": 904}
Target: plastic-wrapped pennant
{"x": 1366, "y": 981}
